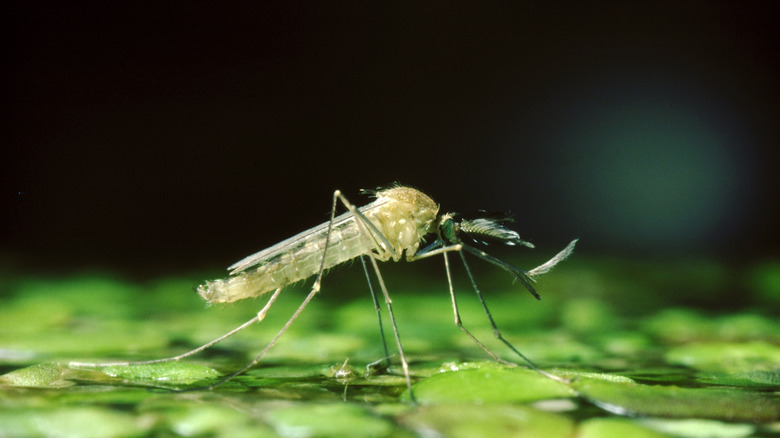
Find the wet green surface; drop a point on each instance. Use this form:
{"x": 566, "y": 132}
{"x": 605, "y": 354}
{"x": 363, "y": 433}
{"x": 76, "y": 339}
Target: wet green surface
{"x": 644, "y": 349}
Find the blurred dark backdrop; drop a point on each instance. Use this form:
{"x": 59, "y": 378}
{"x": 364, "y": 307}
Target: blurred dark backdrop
{"x": 146, "y": 136}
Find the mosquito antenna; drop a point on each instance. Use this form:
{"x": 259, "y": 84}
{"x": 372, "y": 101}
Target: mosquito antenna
{"x": 547, "y": 266}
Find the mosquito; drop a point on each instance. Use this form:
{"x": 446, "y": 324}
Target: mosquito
{"x": 393, "y": 226}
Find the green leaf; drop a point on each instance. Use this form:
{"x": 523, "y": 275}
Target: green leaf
{"x": 488, "y": 421}
{"x": 677, "y": 402}
{"x": 320, "y": 420}
{"x": 727, "y": 356}
{"x": 40, "y": 375}
{"x": 757, "y": 379}
{"x": 489, "y": 385}
{"x": 698, "y": 428}
{"x": 69, "y": 422}
{"x": 615, "y": 428}
{"x": 173, "y": 373}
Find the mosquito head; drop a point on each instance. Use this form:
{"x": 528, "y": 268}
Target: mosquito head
{"x": 448, "y": 228}
{"x": 482, "y": 230}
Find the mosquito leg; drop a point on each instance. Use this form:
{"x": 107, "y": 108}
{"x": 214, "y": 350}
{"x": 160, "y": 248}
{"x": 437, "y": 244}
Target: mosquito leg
{"x": 458, "y": 321}
{"x": 523, "y": 277}
{"x": 378, "y": 309}
{"x": 433, "y": 252}
{"x": 315, "y": 289}
{"x": 281, "y": 332}
{"x": 497, "y": 332}
{"x": 364, "y": 225}
{"x": 389, "y": 304}
{"x": 260, "y": 316}
{"x": 443, "y": 251}
{"x": 361, "y": 221}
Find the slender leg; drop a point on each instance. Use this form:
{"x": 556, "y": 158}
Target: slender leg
{"x": 364, "y": 225}
{"x": 497, "y": 332}
{"x": 260, "y": 356}
{"x": 315, "y": 289}
{"x": 260, "y": 316}
{"x": 378, "y": 309}
{"x": 458, "y": 321}
{"x": 525, "y": 280}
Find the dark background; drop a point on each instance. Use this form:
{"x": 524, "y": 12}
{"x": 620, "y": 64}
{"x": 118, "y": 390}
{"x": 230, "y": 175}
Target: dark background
{"x": 155, "y": 137}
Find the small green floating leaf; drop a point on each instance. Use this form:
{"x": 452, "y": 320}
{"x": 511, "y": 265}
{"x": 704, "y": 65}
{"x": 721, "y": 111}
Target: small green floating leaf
{"x": 699, "y": 428}
{"x": 747, "y": 326}
{"x": 166, "y": 372}
{"x": 98, "y": 395}
{"x": 756, "y": 379}
{"x": 316, "y": 420}
{"x": 615, "y": 428}
{"x": 624, "y": 344}
{"x": 684, "y": 325}
{"x": 572, "y": 374}
{"x": 676, "y": 402}
{"x": 588, "y": 315}
{"x": 36, "y": 376}
{"x": 69, "y": 422}
{"x": 475, "y": 421}
{"x": 727, "y": 356}
{"x": 205, "y": 420}
{"x": 679, "y": 325}
{"x": 462, "y": 366}
{"x": 488, "y": 385}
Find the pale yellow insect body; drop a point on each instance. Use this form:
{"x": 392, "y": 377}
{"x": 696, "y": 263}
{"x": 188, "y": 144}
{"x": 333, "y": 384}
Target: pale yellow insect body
{"x": 402, "y": 215}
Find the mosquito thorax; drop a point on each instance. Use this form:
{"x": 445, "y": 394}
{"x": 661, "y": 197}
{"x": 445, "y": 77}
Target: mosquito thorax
{"x": 404, "y": 217}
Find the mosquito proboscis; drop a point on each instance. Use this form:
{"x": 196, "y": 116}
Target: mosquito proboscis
{"x": 393, "y": 226}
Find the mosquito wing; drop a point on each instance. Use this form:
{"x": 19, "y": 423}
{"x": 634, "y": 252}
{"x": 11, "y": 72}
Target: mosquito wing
{"x": 317, "y": 233}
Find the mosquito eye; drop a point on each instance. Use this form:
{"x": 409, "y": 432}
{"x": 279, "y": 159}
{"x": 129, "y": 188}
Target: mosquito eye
{"x": 447, "y": 229}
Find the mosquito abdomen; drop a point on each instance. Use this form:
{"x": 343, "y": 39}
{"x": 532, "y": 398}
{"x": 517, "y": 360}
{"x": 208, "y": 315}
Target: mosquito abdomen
{"x": 291, "y": 267}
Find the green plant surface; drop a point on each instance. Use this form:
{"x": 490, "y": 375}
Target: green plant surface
{"x": 630, "y": 358}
